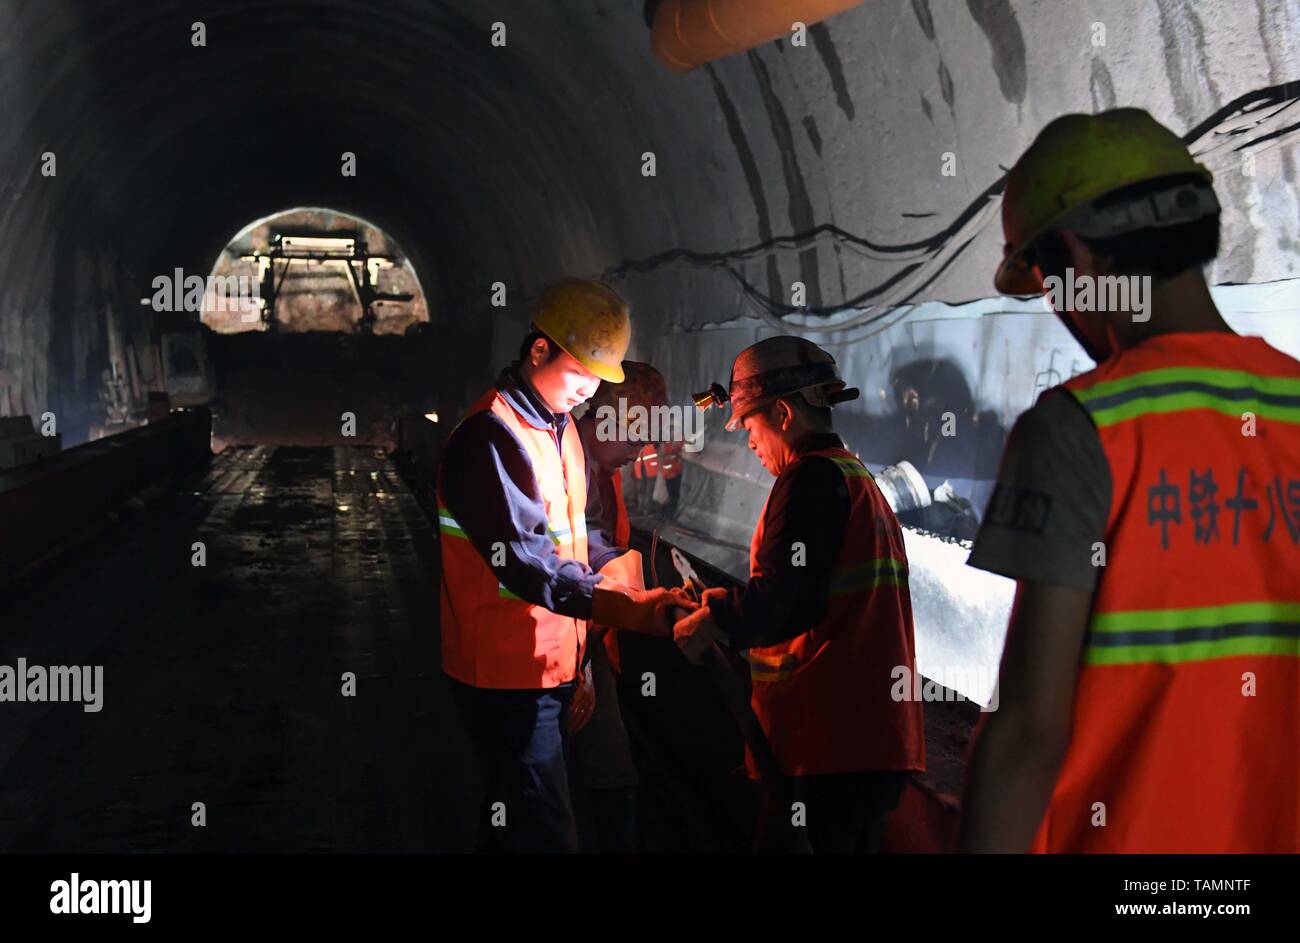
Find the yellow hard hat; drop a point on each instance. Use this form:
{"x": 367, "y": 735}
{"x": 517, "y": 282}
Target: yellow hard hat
{"x": 779, "y": 366}
{"x": 589, "y": 321}
{"x": 1078, "y": 158}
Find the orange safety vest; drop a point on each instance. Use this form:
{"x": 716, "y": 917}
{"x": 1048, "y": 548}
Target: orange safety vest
{"x": 1187, "y": 705}
{"x": 824, "y": 697}
{"x": 646, "y": 464}
{"x": 490, "y": 637}
{"x": 670, "y": 463}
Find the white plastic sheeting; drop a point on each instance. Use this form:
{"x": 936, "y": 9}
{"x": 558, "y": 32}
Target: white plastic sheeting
{"x": 960, "y": 614}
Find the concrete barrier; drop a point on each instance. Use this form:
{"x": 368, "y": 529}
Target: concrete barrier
{"x": 47, "y": 504}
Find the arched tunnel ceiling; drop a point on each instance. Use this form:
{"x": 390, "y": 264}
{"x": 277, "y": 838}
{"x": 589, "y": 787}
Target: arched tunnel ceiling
{"x": 523, "y": 163}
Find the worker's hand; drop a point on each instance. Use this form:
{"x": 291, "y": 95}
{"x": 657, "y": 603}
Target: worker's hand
{"x": 609, "y": 585}
{"x": 682, "y": 598}
{"x": 637, "y": 610}
{"x": 583, "y": 704}
{"x": 695, "y": 633}
{"x": 663, "y": 601}
{"x": 713, "y": 592}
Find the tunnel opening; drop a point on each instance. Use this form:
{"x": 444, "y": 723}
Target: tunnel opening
{"x": 314, "y": 330}
{"x": 313, "y": 269}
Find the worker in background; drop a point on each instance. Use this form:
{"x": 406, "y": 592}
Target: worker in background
{"x": 517, "y": 590}
{"x": 601, "y": 749}
{"x": 645, "y": 472}
{"x": 657, "y": 471}
{"x": 670, "y": 472}
{"x": 1149, "y": 510}
{"x": 826, "y": 616}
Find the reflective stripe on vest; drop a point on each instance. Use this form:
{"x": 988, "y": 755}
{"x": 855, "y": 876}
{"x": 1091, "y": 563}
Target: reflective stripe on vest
{"x": 1200, "y": 634}
{"x": 823, "y": 697}
{"x": 1179, "y": 389}
{"x": 448, "y": 526}
{"x": 864, "y": 577}
{"x": 1188, "y": 693}
{"x": 768, "y": 665}
{"x": 852, "y": 468}
{"x": 854, "y": 580}
{"x": 561, "y": 535}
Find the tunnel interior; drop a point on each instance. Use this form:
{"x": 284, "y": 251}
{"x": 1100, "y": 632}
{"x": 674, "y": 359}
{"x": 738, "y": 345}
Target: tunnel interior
{"x": 842, "y": 183}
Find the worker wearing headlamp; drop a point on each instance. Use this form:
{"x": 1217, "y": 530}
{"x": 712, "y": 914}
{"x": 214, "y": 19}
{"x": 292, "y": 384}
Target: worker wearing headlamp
{"x": 826, "y": 615}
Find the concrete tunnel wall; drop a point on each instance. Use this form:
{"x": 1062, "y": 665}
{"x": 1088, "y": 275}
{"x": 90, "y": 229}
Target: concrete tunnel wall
{"x": 524, "y": 163}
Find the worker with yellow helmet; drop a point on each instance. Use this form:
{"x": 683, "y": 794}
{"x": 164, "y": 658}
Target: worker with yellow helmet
{"x": 517, "y": 590}
{"x": 1150, "y": 687}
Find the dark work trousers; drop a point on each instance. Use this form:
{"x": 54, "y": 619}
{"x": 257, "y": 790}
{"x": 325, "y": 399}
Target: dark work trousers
{"x": 845, "y": 812}
{"x": 601, "y": 767}
{"x": 521, "y": 741}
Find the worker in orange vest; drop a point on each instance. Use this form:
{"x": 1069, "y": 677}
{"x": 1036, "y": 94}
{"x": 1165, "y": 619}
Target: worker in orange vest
{"x": 645, "y": 470}
{"x": 1150, "y": 511}
{"x": 517, "y": 591}
{"x": 826, "y": 616}
{"x": 613, "y": 430}
{"x": 658, "y": 460}
{"x": 611, "y": 439}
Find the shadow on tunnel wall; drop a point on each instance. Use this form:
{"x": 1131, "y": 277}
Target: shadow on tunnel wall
{"x": 935, "y": 423}
{"x": 927, "y": 396}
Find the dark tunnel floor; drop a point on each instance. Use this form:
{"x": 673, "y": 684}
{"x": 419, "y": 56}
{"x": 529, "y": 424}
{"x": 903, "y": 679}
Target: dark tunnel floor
{"x": 222, "y": 684}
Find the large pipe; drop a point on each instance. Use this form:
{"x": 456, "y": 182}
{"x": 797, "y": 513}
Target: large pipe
{"x": 688, "y": 33}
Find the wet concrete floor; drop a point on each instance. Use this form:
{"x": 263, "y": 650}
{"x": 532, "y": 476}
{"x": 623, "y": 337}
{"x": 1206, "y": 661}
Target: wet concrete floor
{"x": 222, "y": 684}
